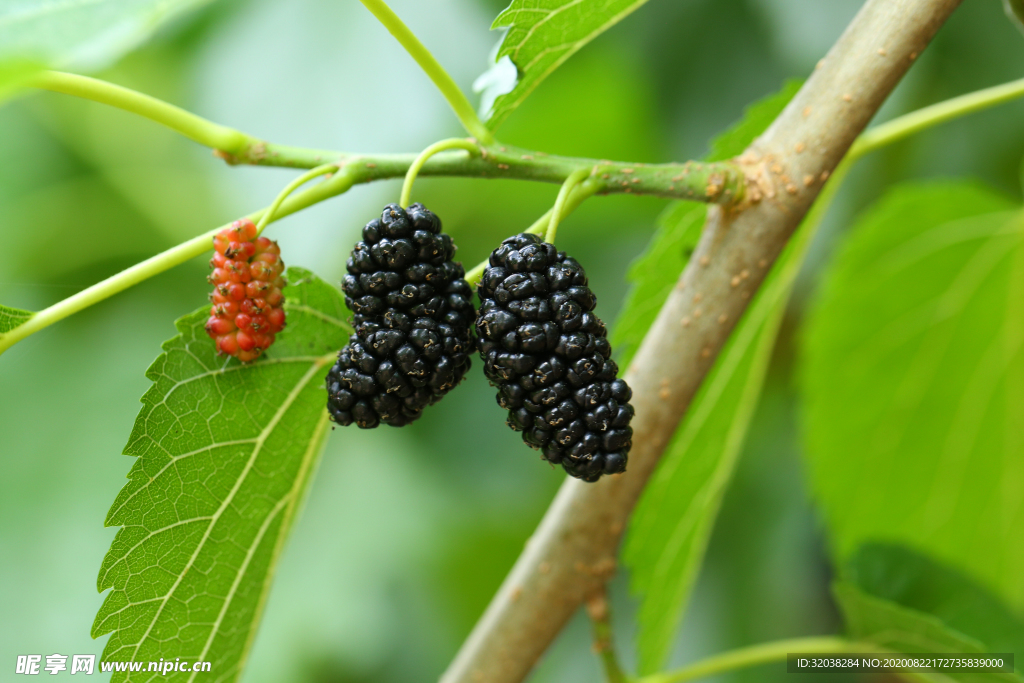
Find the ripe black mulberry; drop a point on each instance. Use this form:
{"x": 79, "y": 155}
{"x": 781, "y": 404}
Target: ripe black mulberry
{"x": 413, "y": 322}
{"x": 549, "y": 357}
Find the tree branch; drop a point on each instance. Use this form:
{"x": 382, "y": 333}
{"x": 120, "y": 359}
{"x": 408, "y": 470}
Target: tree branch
{"x": 573, "y": 550}
{"x": 720, "y": 182}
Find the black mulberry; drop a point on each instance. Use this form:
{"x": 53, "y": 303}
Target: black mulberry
{"x": 413, "y": 312}
{"x": 549, "y": 357}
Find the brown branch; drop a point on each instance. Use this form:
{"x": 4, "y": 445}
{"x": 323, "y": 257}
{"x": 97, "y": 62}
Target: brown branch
{"x": 573, "y": 550}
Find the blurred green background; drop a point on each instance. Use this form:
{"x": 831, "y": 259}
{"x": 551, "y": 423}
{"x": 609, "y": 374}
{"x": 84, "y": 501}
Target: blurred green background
{"x": 407, "y": 533}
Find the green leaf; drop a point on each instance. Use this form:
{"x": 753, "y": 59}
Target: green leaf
{"x": 541, "y": 35}
{"x": 913, "y": 383}
{"x": 654, "y": 274}
{"x": 225, "y": 453}
{"x": 79, "y": 34}
{"x": 903, "y": 576}
{"x": 12, "y": 317}
{"x": 671, "y": 525}
{"x": 756, "y": 119}
{"x": 902, "y": 629}
{"x": 669, "y": 530}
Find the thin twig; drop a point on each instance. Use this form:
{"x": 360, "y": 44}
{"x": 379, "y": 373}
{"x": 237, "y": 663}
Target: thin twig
{"x": 708, "y": 182}
{"x": 166, "y": 260}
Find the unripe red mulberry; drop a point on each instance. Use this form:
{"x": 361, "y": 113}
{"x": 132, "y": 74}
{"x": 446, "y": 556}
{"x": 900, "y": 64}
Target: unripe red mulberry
{"x": 247, "y": 299}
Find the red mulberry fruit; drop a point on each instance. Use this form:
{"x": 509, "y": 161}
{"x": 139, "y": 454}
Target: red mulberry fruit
{"x": 247, "y": 301}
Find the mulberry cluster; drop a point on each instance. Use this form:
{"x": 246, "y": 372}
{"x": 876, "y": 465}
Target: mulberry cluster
{"x": 247, "y": 298}
{"x": 549, "y": 356}
{"x": 413, "y": 318}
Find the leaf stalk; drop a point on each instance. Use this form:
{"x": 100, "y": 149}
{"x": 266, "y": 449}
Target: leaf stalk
{"x": 604, "y": 645}
{"x": 576, "y": 197}
{"x": 449, "y": 89}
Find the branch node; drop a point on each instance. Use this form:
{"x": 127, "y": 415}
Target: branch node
{"x": 227, "y": 157}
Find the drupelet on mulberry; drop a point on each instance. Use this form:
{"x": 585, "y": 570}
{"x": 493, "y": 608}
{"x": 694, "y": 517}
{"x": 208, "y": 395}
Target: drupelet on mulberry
{"x": 247, "y": 309}
{"x": 413, "y": 322}
{"x": 549, "y": 357}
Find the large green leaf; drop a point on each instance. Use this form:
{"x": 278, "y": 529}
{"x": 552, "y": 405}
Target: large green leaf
{"x": 225, "y": 452}
{"x": 904, "y": 630}
{"x": 11, "y": 318}
{"x": 900, "y": 600}
{"x": 905, "y": 577}
{"x": 541, "y": 35}
{"x": 913, "y": 383}
{"x": 669, "y": 530}
{"x": 80, "y": 34}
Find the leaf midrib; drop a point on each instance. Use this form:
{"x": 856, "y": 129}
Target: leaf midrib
{"x": 292, "y": 395}
{"x": 315, "y": 444}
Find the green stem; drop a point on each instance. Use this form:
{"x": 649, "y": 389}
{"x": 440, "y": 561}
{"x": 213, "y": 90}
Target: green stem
{"x": 174, "y": 256}
{"x": 916, "y": 121}
{"x": 576, "y": 197}
{"x": 600, "y": 619}
{"x": 764, "y": 653}
{"x": 188, "y": 124}
{"x": 715, "y": 182}
{"x": 271, "y": 213}
{"x": 441, "y": 146}
{"x": 232, "y": 145}
{"x": 574, "y": 179}
{"x": 456, "y": 98}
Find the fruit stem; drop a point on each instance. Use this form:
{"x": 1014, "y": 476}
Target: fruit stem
{"x": 452, "y": 93}
{"x": 414, "y": 168}
{"x": 174, "y": 256}
{"x": 576, "y": 197}
{"x": 574, "y": 179}
{"x": 271, "y": 212}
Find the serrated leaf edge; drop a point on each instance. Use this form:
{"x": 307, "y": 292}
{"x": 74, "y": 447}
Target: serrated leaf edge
{"x": 260, "y": 440}
{"x": 500, "y": 110}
